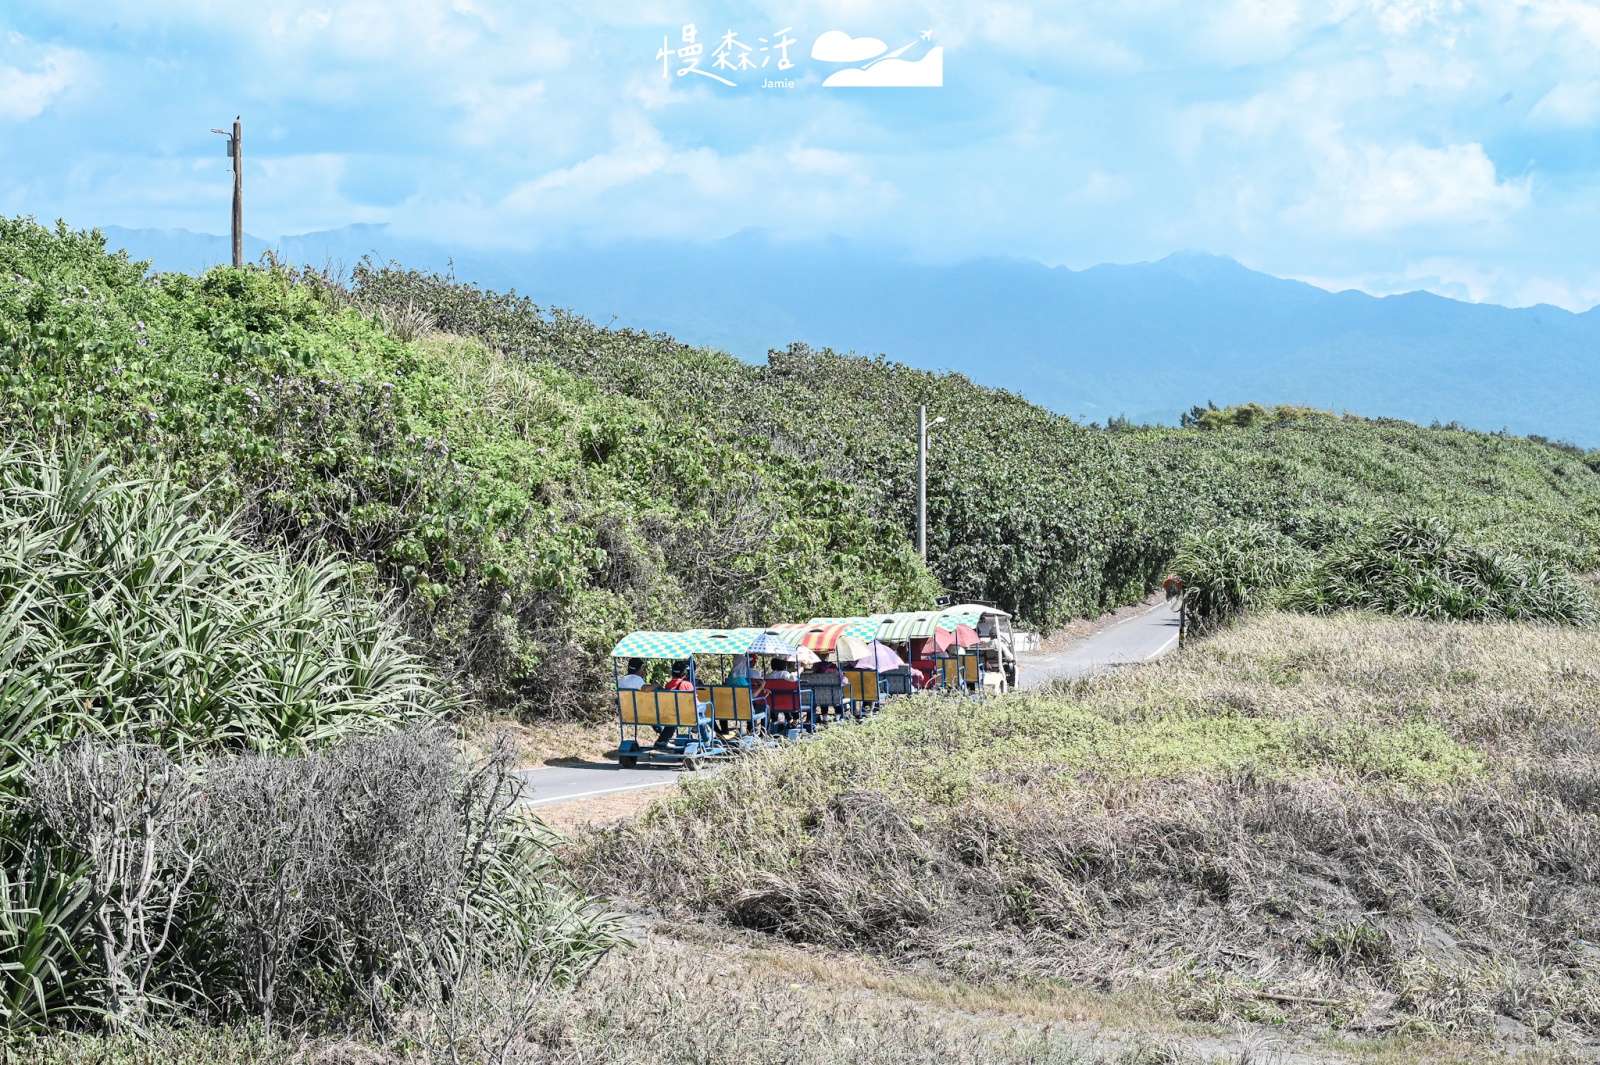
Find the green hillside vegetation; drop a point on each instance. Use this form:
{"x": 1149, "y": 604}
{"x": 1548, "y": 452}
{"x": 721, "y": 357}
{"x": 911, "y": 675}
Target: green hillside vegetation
{"x": 522, "y": 517}
{"x": 526, "y": 485}
{"x": 1042, "y": 515}
{"x": 1353, "y": 821}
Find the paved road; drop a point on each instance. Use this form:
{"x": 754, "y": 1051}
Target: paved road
{"x": 548, "y": 785}
{"x": 1135, "y": 639}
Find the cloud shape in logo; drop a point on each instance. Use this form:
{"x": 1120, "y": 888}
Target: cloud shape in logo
{"x": 837, "y": 46}
{"x": 924, "y": 73}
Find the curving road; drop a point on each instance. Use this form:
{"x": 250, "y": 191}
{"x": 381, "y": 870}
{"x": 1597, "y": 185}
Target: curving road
{"x": 1132, "y": 640}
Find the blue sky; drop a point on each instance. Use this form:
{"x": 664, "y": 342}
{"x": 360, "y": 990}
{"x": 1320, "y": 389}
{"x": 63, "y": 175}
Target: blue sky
{"x": 1385, "y": 145}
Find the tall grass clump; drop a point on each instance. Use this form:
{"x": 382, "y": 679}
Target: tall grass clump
{"x": 1409, "y": 565}
{"x": 122, "y": 616}
{"x": 224, "y": 793}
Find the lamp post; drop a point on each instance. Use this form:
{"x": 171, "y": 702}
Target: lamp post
{"x": 236, "y": 153}
{"x": 923, "y": 425}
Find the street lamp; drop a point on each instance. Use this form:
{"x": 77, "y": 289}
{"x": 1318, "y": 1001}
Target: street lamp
{"x": 923, "y": 425}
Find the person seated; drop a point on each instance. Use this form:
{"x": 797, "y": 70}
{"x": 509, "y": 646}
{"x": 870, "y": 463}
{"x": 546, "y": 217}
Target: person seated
{"x": 740, "y": 677}
{"x": 826, "y": 665}
{"x": 680, "y": 682}
{"x": 782, "y": 669}
{"x": 633, "y": 680}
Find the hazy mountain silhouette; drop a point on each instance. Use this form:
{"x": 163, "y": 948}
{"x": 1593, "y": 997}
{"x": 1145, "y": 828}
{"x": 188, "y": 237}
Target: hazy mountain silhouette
{"x": 1147, "y": 340}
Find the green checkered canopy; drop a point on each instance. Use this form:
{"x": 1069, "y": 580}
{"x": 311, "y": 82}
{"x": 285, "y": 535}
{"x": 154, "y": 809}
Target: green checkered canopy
{"x": 700, "y": 642}
{"x": 739, "y": 641}
{"x": 653, "y": 645}
{"x": 861, "y": 628}
{"x": 912, "y": 625}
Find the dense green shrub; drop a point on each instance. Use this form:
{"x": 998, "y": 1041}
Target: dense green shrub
{"x": 522, "y": 517}
{"x": 529, "y": 494}
{"x": 1415, "y": 566}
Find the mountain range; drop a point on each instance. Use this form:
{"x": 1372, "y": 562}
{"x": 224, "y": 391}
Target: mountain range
{"x": 1142, "y": 340}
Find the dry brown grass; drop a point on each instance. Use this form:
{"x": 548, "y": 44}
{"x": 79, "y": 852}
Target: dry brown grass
{"x": 1372, "y": 826}
{"x": 549, "y": 742}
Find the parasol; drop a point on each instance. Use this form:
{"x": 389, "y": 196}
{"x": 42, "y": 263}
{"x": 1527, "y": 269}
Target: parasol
{"x": 850, "y": 648}
{"x": 880, "y": 658}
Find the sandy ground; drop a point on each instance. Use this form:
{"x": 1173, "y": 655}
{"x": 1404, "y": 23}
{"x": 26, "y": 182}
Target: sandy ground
{"x": 602, "y": 811}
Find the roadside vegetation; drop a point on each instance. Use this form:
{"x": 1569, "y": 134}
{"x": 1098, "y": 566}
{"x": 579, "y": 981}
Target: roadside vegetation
{"x": 228, "y": 793}
{"x": 526, "y": 486}
{"x": 269, "y": 539}
{"x": 1353, "y": 823}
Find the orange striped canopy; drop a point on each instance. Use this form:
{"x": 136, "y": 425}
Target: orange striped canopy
{"x": 821, "y": 638}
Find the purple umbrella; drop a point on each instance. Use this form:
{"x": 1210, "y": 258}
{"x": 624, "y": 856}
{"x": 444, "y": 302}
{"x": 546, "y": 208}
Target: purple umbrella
{"x": 881, "y": 659}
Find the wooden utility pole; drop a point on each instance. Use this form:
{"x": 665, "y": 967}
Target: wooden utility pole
{"x": 236, "y": 153}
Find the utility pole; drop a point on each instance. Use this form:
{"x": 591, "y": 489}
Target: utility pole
{"x": 922, "y": 481}
{"x": 236, "y": 153}
{"x": 923, "y": 425}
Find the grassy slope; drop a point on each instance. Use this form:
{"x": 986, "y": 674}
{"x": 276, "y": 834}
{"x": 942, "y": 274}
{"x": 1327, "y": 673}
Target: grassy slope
{"x": 1393, "y": 820}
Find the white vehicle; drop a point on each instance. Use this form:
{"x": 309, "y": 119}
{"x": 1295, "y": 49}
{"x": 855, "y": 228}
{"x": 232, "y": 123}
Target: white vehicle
{"x": 997, "y": 643}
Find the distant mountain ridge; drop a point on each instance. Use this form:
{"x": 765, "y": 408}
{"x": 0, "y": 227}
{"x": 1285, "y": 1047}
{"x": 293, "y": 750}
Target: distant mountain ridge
{"x": 1145, "y": 340}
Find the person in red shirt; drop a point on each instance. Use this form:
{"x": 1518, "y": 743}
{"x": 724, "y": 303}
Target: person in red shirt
{"x": 680, "y": 682}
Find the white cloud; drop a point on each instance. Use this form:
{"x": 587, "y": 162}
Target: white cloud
{"x": 1371, "y": 189}
{"x": 1570, "y": 105}
{"x": 43, "y": 75}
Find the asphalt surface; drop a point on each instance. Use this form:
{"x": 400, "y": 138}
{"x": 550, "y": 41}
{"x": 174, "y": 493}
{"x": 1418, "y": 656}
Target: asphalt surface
{"x": 1136, "y": 639}
{"x": 1129, "y": 641}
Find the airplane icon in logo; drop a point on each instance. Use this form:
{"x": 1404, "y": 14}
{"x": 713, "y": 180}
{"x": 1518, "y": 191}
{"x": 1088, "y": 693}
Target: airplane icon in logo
{"x": 927, "y": 35}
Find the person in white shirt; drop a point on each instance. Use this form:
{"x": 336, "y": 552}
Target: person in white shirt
{"x": 634, "y": 678}
{"x": 782, "y": 669}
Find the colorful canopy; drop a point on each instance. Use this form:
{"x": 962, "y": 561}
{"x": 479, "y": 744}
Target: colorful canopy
{"x": 865, "y": 628}
{"x": 912, "y": 625}
{"x": 816, "y": 636}
{"x": 700, "y": 641}
{"x": 653, "y": 645}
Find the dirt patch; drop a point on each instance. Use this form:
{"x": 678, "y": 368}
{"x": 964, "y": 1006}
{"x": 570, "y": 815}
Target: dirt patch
{"x": 550, "y": 743}
{"x": 602, "y": 811}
